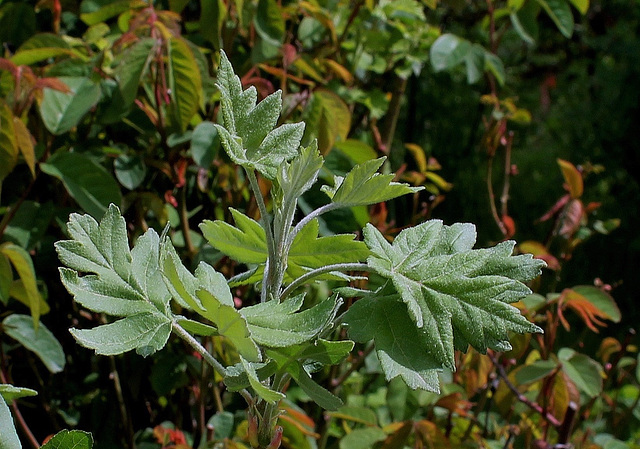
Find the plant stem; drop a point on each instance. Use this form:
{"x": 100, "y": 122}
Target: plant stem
{"x": 121, "y": 404}
{"x": 184, "y": 222}
{"x": 326, "y": 269}
{"x": 195, "y": 344}
{"x": 272, "y": 262}
{"x": 492, "y": 197}
{"x": 316, "y": 213}
{"x": 522, "y": 398}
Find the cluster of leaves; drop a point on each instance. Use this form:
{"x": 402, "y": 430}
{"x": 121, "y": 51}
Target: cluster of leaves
{"x": 115, "y": 102}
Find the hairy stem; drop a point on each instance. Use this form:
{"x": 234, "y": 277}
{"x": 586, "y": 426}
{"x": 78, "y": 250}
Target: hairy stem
{"x": 316, "y": 213}
{"x": 272, "y": 261}
{"x": 195, "y": 344}
{"x": 318, "y": 271}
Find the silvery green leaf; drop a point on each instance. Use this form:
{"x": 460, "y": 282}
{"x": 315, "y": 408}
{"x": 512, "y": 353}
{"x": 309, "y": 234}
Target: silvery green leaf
{"x": 117, "y": 281}
{"x": 454, "y": 293}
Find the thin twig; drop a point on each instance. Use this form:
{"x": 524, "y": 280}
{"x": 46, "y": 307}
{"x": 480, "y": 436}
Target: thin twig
{"x": 492, "y": 197}
{"x": 522, "y": 398}
{"x": 121, "y": 404}
{"x": 318, "y": 271}
{"x": 314, "y": 214}
{"x": 18, "y": 416}
{"x": 504, "y": 198}
{"x": 184, "y": 222}
{"x": 271, "y": 266}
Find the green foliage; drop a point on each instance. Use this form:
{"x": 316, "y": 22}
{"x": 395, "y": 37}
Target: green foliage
{"x": 116, "y": 104}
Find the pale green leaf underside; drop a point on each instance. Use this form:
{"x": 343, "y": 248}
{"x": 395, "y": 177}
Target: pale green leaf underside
{"x": 122, "y": 282}
{"x": 8, "y": 436}
{"x": 10, "y": 392}
{"x": 278, "y": 325}
{"x": 263, "y": 391}
{"x": 246, "y": 243}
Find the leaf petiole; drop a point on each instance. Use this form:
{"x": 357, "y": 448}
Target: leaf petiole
{"x": 322, "y": 270}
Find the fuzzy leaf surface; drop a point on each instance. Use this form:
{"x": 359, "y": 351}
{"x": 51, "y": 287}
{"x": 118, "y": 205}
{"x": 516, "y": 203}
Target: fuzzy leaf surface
{"x": 248, "y": 135}
{"x": 278, "y": 325}
{"x": 363, "y": 185}
{"x": 455, "y": 296}
{"x": 8, "y": 436}
{"x": 120, "y": 282}
{"x": 208, "y": 294}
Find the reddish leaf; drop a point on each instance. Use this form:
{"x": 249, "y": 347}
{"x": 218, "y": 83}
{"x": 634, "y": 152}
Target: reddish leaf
{"x": 289, "y": 54}
{"x": 586, "y": 310}
{"x": 555, "y": 209}
{"x": 539, "y": 251}
{"x": 455, "y": 403}
{"x": 572, "y": 218}
{"x": 572, "y": 177}
{"x": 608, "y": 347}
{"x": 509, "y": 226}
{"x": 52, "y": 83}
{"x": 399, "y": 436}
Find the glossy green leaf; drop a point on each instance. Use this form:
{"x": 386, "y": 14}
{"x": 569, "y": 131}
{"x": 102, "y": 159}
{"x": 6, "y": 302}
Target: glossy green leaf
{"x": 40, "y": 341}
{"x": 8, "y": 142}
{"x": 364, "y": 438}
{"x": 584, "y": 372}
{"x": 29, "y": 224}
{"x": 119, "y": 281}
{"x": 269, "y": 22}
{"x": 132, "y": 66}
{"x": 23, "y": 265}
{"x": 184, "y": 80}
{"x": 17, "y": 22}
{"x": 109, "y": 10}
{"x": 61, "y": 111}
{"x": 40, "y": 47}
{"x": 70, "y": 439}
{"x": 130, "y": 170}
{"x": 448, "y": 51}
{"x": 581, "y": 5}
{"x": 10, "y": 392}
{"x": 560, "y": 13}
{"x": 87, "y": 182}
{"x": 212, "y": 17}
{"x": 328, "y": 119}
{"x": 278, "y": 325}
{"x": 8, "y": 436}
{"x": 205, "y": 144}
{"x": 454, "y": 293}
{"x": 363, "y": 186}
{"x": 535, "y": 371}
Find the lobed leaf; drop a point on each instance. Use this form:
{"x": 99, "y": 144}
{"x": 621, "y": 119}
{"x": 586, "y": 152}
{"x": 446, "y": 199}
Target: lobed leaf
{"x": 247, "y": 243}
{"x": 248, "y": 135}
{"x": 455, "y": 296}
{"x": 119, "y": 282}
{"x": 363, "y": 186}
{"x": 277, "y": 325}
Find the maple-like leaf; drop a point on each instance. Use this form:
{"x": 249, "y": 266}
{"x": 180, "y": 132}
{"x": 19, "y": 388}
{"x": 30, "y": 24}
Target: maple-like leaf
{"x": 455, "y": 296}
